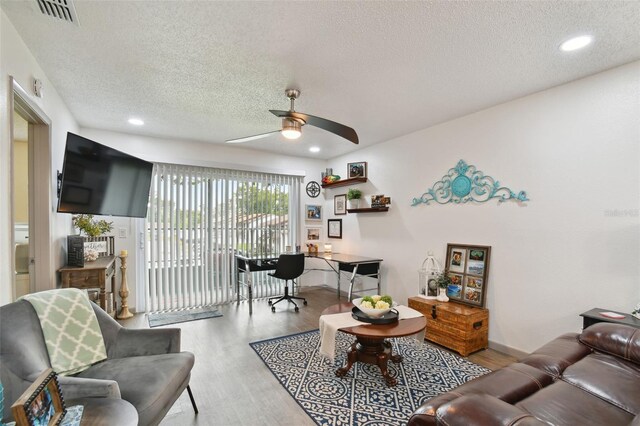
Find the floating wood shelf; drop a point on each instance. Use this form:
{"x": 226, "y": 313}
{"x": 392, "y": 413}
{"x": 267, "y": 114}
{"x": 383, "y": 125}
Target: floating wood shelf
{"x": 369, "y": 210}
{"x": 344, "y": 182}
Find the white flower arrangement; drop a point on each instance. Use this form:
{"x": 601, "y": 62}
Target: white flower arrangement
{"x": 90, "y": 255}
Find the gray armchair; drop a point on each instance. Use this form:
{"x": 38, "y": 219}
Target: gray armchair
{"x": 143, "y": 367}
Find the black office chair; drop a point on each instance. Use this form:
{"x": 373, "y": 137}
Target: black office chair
{"x": 289, "y": 267}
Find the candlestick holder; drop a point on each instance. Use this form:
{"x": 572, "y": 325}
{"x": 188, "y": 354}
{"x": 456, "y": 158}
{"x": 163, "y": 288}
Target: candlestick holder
{"x": 124, "y": 288}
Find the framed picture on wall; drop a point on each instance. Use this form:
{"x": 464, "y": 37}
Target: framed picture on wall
{"x": 468, "y": 268}
{"x": 335, "y": 228}
{"x": 313, "y": 212}
{"x": 313, "y": 234}
{"x": 355, "y": 170}
{"x": 340, "y": 204}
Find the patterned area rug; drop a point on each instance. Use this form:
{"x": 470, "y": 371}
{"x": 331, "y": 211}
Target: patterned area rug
{"x": 165, "y": 318}
{"x": 362, "y": 397}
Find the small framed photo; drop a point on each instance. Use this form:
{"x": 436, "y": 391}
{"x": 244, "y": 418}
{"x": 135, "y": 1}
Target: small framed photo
{"x": 313, "y": 234}
{"x": 313, "y": 212}
{"x": 454, "y": 290}
{"x": 468, "y": 268}
{"x": 340, "y": 204}
{"x": 41, "y": 403}
{"x": 380, "y": 201}
{"x": 335, "y": 228}
{"x": 355, "y": 170}
{"x": 473, "y": 282}
{"x": 457, "y": 259}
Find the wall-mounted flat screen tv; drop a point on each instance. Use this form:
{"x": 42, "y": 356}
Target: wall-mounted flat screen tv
{"x": 100, "y": 180}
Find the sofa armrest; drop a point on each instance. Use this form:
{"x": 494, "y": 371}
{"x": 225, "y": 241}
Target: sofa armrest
{"x": 80, "y": 387}
{"x": 622, "y": 341}
{"x": 142, "y": 342}
{"x": 483, "y": 410}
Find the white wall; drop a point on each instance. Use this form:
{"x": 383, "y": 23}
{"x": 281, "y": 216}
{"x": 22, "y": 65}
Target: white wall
{"x": 201, "y": 154}
{"x": 16, "y": 60}
{"x": 575, "y": 149}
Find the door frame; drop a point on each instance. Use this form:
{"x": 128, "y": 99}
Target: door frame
{"x": 41, "y": 276}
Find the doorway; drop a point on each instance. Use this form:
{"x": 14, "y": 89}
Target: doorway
{"x": 21, "y": 163}
{"x": 30, "y": 195}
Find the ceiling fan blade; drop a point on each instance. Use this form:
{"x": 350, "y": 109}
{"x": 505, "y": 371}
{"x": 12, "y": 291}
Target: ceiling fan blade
{"x": 331, "y": 126}
{"x": 252, "y": 138}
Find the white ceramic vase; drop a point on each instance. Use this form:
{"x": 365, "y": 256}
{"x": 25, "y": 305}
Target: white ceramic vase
{"x": 354, "y": 203}
{"x": 442, "y": 295}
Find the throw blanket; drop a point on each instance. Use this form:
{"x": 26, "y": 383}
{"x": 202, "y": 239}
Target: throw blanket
{"x": 71, "y": 330}
{"x": 330, "y": 324}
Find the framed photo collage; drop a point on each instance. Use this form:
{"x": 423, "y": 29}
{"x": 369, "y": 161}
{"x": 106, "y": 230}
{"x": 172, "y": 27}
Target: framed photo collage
{"x": 468, "y": 268}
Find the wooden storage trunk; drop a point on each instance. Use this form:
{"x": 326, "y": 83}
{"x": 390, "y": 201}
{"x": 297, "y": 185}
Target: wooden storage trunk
{"x": 462, "y": 328}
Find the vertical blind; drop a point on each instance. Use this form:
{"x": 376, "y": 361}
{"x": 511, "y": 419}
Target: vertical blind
{"x": 200, "y": 218}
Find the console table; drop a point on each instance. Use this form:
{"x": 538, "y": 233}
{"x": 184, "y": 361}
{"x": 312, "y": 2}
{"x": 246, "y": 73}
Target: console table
{"x": 96, "y": 274}
{"x": 593, "y": 316}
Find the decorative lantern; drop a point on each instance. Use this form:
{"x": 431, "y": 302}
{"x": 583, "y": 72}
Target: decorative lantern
{"x": 427, "y": 277}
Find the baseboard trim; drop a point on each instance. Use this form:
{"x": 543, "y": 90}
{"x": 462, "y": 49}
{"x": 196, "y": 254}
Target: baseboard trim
{"x": 517, "y": 353}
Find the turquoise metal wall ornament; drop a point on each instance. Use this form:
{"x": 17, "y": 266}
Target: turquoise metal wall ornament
{"x": 465, "y": 183}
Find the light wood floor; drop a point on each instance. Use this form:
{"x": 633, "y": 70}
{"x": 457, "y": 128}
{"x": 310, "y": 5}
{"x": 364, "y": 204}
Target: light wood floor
{"x": 231, "y": 384}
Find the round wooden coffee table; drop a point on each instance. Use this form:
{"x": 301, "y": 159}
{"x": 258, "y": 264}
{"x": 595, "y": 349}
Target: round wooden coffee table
{"x": 371, "y": 346}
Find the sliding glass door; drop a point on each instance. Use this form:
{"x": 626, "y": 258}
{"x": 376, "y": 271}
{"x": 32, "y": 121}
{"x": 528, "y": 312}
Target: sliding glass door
{"x": 199, "y": 218}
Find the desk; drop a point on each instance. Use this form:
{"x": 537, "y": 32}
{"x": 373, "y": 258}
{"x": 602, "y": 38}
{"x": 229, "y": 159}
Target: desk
{"x": 356, "y": 265}
{"x": 94, "y": 274}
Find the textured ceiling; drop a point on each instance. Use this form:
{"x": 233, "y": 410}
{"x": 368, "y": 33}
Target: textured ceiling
{"x": 210, "y": 71}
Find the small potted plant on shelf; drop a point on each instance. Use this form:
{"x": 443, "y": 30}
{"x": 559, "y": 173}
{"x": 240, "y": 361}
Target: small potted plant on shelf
{"x": 443, "y": 280}
{"x": 92, "y": 228}
{"x": 354, "y": 195}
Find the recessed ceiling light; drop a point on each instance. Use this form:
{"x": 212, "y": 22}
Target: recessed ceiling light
{"x": 136, "y": 121}
{"x": 314, "y": 149}
{"x": 576, "y": 43}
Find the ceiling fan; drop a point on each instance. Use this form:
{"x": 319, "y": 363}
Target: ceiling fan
{"x": 293, "y": 121}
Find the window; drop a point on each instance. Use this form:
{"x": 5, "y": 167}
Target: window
{"x": 199, "y": 218}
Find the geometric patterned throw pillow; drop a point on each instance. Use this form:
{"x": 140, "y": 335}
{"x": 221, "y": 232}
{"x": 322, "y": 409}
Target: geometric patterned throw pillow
{"x": 71, "y": 330}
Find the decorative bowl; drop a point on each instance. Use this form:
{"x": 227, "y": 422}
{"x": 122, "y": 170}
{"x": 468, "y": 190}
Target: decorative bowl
{"x": 372, "y": 313}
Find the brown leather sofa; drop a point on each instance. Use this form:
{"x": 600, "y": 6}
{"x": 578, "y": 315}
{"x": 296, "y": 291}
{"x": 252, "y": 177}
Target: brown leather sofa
{"x": 592, "y": 378}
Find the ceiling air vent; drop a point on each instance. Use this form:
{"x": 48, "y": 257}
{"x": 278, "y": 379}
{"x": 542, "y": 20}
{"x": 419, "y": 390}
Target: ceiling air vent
{"x": 61, "y": 9}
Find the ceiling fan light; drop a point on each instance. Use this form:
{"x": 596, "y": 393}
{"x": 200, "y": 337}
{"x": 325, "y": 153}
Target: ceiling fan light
{"x": 291, "y": 129}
